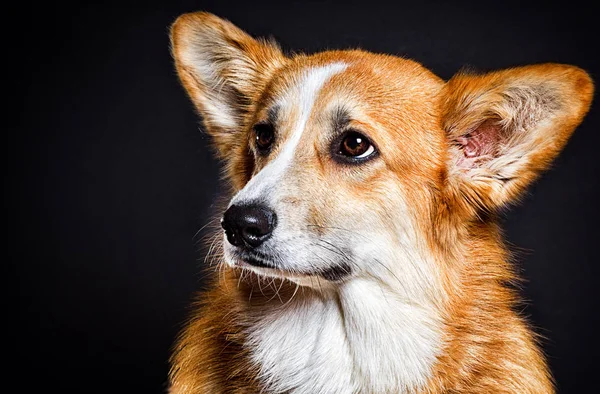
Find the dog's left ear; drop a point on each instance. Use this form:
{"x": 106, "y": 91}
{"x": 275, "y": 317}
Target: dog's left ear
{"x": 505, "y": 128}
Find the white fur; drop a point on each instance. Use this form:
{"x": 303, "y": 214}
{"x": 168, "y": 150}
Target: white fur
{"x": 363, "y": 339}
{"x": 302, "y": 346}
{"x": 302, "y": 97}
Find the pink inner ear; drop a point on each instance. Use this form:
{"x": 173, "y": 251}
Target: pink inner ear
{"x": 483, "y": 141}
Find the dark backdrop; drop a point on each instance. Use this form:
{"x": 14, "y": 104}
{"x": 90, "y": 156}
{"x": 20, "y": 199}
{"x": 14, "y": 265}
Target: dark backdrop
{"x": 109, "y": 177}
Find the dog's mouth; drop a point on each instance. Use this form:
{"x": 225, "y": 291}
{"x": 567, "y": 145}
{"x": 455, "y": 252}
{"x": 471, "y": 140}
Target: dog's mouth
{"x": 266, "y": 265}
{"x": 258, "y": 260}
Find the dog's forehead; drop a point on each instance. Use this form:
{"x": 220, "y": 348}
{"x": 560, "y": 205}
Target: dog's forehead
{"x": 392, "y": 100}
{"x": 381, "y": 84}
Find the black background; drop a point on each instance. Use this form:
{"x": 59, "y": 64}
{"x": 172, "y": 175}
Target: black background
{"x": 109, "y": 178}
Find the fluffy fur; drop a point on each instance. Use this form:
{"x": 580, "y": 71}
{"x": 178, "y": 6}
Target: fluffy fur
{"x": 423, "y": 301}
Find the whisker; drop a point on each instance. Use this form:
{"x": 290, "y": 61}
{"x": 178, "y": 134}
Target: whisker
{"x": 240, "y": 279}
{"x": 276, "y": 291}
{"x": 292, "y": 297}
{"x": 279, "y": 289}
{"x": 210, "y": 249}
{"x": 259, "y": 286}
{"x": 251, "y": 291}
{"x": 335, "y": 250}
{"x": 203, "y": 227}
{"x": 393, "y": 274}
{"x": 209, "y": 223}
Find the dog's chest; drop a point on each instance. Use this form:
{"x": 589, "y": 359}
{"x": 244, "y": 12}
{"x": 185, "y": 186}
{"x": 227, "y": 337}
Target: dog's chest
{"x": 344, "y": 345}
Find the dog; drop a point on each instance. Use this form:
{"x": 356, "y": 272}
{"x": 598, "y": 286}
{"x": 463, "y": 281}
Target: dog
{"x": 360, "y": 246}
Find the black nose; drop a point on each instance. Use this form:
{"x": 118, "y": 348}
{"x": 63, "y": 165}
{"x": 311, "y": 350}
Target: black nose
{"x": 248, "y": 225}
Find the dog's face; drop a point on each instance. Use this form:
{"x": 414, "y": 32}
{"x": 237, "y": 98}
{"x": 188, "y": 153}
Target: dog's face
{"x": 349, "y": 164}
{"x": 334, "y": 171}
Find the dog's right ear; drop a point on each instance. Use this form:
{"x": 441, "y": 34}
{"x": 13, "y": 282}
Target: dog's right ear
{"x": 223, "y": 69}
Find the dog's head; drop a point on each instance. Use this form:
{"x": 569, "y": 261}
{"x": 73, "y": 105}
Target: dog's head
{"x": 351, "y": 164}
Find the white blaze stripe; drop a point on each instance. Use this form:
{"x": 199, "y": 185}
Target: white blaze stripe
{"x": 303, "y": 96}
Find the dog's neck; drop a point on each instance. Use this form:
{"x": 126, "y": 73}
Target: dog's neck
{"x": 360, "y": 337}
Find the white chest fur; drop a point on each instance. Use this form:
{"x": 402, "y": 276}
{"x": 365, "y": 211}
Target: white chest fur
{"x": 362, "y": 339}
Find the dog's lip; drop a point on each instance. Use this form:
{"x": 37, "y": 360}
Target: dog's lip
{"x": 258, "y": 262}
{"x": 331, "y": 275}
{"x": 263, "y": 265}
{"x": 265, "y": 270}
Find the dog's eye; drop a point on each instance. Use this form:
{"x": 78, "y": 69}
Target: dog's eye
{"x": 264, "y": 136}
{"x": 355, "y": 146}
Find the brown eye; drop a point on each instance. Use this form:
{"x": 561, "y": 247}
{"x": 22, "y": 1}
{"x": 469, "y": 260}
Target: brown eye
{"x": 264, "y": 136}
{"x": 356, "y": 146}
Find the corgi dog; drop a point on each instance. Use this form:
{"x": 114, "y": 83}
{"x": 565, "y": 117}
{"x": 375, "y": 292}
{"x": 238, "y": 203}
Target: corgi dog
{"x": 359, "y": 250}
